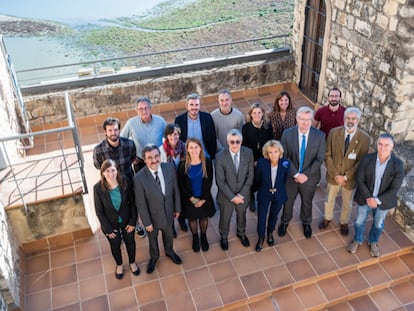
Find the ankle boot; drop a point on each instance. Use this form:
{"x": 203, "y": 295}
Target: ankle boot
{"x": 196, "y": 243}
{"x": 259, "y": 245}
{"x": 204, "y": 242}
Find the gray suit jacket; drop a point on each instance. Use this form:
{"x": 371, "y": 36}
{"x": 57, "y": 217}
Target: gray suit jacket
{"x": 314, "y": 156}
{"x": 153, "y": 206}
{"x": 230, "y": 182}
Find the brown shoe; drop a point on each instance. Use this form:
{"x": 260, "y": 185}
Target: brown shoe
{"x": 344, "y": 229}
{"x": 324, "y": 224}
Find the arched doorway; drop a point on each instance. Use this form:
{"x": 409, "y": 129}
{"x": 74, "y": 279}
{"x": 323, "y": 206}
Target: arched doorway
{"x": 312, "y": 47}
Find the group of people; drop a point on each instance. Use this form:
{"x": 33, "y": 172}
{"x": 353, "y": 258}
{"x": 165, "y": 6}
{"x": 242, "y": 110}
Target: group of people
{"x": 159, "y": 172}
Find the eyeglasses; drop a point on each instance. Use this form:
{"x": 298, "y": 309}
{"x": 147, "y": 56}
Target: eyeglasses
{"x": 144, "y": 109}
{"x": 232, "y": 142}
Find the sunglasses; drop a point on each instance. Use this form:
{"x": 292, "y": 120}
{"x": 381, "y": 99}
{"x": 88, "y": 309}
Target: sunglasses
{"x": 232, "y": 142}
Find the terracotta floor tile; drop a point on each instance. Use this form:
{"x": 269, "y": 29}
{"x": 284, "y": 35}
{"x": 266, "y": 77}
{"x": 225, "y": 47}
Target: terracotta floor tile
{"x": 322, "y": 263}
{"x": 92, "y": 287}
{"x": 375, "y": 274}
{"x": 287, "y": 300}
{"x": 354, "y": 281}
{"x": 333, "y": 288}
{"x": 310, "y": 246}
{"x": 148, "y": 292}
{"x": 344, "y": 306}
{"x": 192, "y": 260}
{"x": 73, "y": 307}
{"x": 289, "y": 252}
{"x": 245, "y": 264}
{"x": 404, "y": 292}
{"x": 267, "y": 258}
{"x": 173, "y": 285}
{"x": 400, "y": 239}
{"x": 39, "y": 301}
{"x": 123, "y": 300}
{"x": 62, "y": 257}
{"x": 199, "y": 278}
{"x": 395, "y": 268}
{"x": 90, "y": 268}
{"x": 255, "y": 283}
{"x": 222, "y": 270}
{"x": 180, "y": 302}
{"x": 64, "y": 275}
{"x": 331, "y": 240}
{"x": 408, "y": 260}
{"x": 231, "y": 290}
{"x": 154, "y": 306}
{"x": 113, "y": 284}
{"x": 343, "y": 258}
{"x": 300, "y": 270}
{"x": 387, "y": 245}
{"x": 363, "y": 303}
{"x": 36, "y": 282}
{"x": 37, "y": 263}
{"x": 311, "y": 296}
{"x": 266, "y": 304}
{"x": 385, "y": 300}
{"x": 278, "y": 277}
{"x": 87, "y": 249}
{"x": 207, "y": 298}
{"x": 166, "y": 267}
{"x": 65, "y": 295}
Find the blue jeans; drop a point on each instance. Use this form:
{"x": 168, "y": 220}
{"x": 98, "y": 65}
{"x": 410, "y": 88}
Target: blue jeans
{"x": 378, "y": 216}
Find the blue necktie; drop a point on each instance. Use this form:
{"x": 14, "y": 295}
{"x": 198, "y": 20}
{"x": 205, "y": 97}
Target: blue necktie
{"x": 302, "y": 153}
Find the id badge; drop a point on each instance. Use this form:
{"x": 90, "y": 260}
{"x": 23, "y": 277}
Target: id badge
{"x": 352, "y": 156}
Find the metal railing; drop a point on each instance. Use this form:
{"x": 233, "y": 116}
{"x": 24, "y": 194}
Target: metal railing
{"x": 59, "y": 173}
{"x": 90, "y": 69}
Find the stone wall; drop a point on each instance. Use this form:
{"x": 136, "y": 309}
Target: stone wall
{"x": 369, "y": 53}
{"x": 47, "y": 108}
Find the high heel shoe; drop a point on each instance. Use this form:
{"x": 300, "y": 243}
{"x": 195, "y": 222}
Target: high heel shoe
{"x": 136, "y": 271}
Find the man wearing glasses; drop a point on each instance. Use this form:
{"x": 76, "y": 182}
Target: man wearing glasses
{"x": 234, "y": 178}
{"x": 305, "y": 147}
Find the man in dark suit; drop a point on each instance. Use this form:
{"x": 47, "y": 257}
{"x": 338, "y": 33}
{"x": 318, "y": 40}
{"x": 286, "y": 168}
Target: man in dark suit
{"x": 345, "y": 148}
{"x": 198, "y": 124}
{"x": 305, "y": 147}
{"x": 379, "y": 179}
{"x": 234, "y": 178}
{"x": 157, "y": 199}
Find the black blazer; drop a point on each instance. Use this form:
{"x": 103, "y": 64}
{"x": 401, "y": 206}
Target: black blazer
{"x": 106, "y": 212}
{"x": 390, "y": 182}
{"x": 208, "y": 131}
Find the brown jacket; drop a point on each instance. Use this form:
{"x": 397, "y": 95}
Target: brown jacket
{"x": 338, "y": 164}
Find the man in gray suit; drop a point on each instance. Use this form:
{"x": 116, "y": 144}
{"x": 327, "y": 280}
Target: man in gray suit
{"x": 305, "y": 148}
{"x": 234, "y": 178}
{"x": 157, "y": 199}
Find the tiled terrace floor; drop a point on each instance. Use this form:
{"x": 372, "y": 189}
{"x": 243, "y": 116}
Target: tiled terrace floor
{"x": 81, "y": 276}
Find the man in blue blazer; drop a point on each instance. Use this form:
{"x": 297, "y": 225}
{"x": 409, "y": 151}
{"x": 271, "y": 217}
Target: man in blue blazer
{"x": 198, "y": 124}
{"x": 305, "y": 147}
{"x": 234, "y": 178}
{"x": 157, "y": 199}
{"x": 379, "y": 179}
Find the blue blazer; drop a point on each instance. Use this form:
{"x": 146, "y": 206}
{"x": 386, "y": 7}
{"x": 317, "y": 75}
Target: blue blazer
{"x": 263, "y": 180}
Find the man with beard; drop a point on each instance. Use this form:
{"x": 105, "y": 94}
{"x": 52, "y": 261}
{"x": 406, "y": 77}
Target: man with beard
{"x": 345, "y": 148}
{"x": 198, "y": 124}
{"x": 331, "y": 115}
{"x": 121, "y": 150}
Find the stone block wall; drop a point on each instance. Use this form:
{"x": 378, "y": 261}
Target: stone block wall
{"x": 369, "y": 49}
{"x": 47, "y": 108}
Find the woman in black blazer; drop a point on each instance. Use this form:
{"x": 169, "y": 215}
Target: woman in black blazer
{"x": 114, "y": 206}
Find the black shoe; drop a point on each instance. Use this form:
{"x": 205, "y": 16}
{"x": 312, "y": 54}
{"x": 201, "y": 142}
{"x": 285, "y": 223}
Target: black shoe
{"x": 259, "y": 245}
{"x": 175, "y": 259}
{"x": 324, "y": 224}
{"x": 282, "y": 229}
{"x": 244, "y": 240}
{"x": 204, "y": 242}
{"x": 196, "y": 243}
{"x": 151, "y": 265}
{"x": 307, "y": 231}
{"x": 270, "y": 239}
{"x": 136, "y": 272}
{"x": 118, "y": 275}
{"x": 224, "y": 244}
{"x": 344, "y": 229}
{"x": 183, "y": 225}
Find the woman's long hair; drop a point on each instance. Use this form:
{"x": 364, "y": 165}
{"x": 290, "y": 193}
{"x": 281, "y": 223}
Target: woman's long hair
{"x": 188, "y": 156}
{"x": 105, "y": 165}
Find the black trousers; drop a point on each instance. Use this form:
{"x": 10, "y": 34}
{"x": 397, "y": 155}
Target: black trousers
{"x": 129, "y": 240}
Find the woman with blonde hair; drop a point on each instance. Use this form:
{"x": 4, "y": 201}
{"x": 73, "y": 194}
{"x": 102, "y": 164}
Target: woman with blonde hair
{"x": 195, "y": 177}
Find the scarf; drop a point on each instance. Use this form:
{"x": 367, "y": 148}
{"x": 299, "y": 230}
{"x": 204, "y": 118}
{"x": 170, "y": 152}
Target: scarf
{"x": 173, "y": 153}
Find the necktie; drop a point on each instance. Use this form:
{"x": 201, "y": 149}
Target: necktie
{"x": 347, "y": 143}
{"x": 236, "y": 162}
{"x": 157, "y": 179}
{"x": 302, "y": 153}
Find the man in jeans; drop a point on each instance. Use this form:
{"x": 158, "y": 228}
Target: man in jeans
{"x": 379, "y": 178}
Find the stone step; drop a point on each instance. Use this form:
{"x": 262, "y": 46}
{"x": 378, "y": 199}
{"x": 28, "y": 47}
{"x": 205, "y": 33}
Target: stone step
{"x": 338, "y": 287}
